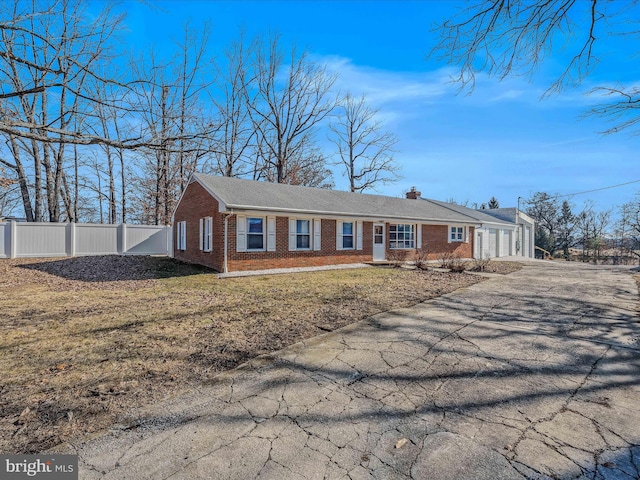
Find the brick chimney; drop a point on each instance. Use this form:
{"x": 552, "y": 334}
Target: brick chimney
{"x": 413, "y": 194}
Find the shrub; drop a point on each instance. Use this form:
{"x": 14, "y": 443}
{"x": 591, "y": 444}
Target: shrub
{"x": 396, "y": 257}
{"x": 480, "y": 264}
{"x": 453, "y": 262}
{"x": 421, "y": 258}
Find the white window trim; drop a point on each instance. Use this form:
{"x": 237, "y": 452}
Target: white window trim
{"x": 181, "y": 234}
{"x": 340, "y": 235}
{"x": 315, "y": 226}
{"x": 465, "y": 234}
{"x": 264, "y": 234}
{"x": 413, "y": 231}
{"x": 208, "y": 234}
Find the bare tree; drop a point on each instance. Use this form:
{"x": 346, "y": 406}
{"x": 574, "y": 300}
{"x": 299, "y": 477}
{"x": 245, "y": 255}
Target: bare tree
{"x": 49, "y": 53}
{"x": 627, "y": 229}
{"x": 364, "y": 150}
{"x": 593, "y": 230}
{"x": 236, "y": 135}
{"x": 9, "y": 193}
{"x": 286, "y": 103}
{"x": 504, "y": 38}
{"x": 172, "y": 118}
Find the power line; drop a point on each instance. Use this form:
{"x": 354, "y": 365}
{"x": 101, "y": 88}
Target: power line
{"x": 598, "y": 189}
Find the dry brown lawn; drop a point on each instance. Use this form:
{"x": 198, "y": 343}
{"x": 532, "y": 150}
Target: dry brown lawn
{"x": 85, "y": 340}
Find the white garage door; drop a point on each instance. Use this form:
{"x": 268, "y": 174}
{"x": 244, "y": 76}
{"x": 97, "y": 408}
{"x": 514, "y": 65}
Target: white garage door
{"x": 493, "y": 243}
{"x": 505, "y": 244}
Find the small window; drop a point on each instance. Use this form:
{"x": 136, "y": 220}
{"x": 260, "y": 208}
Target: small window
{"x": 303, "y": 234}
{"x": 255, "y": 233}
{"x": 208, "y": 227}
{"x": 181, "y": 235}
{"x": 457, "y": 234}
{"x": 347, "y": 235}
{"x": 402, "y": 236}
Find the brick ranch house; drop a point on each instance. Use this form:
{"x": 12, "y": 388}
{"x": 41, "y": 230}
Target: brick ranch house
{"x": 231, "y": 224}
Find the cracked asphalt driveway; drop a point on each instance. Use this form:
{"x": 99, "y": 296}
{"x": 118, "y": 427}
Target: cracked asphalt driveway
{"x": 532, "y": 375}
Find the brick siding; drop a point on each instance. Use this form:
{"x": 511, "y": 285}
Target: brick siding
{"x": 436, "y": 240}
{"x": 282, "y": 257}
{"x": 197, "y": 203}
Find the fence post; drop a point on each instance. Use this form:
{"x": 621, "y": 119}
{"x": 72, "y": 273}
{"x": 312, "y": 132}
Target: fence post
{"x": 123, "y": 238}
{"x": 13, "y": 235}
{"x": 71, "y": 232}
{"x": 169, "y": 233}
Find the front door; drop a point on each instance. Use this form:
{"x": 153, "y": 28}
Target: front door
{"x": 378, "y": 242}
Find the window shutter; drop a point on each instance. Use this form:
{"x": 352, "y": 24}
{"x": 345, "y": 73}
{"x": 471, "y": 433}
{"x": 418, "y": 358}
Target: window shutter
{"x": 183, "y": 235}
{"x": 241, "y": 233}
{"x": 317, "y": 229}
{"x": 466, "y": 234}
{"x": 339, "y": 235}
{"x": 271, "y": 234}
{"x": 201, "y": 235}
{"x": 419, "y": 235}
{"x": 449, "y": 233}
{"x": 292, "y": 234}
{"x": 359, "y": 235}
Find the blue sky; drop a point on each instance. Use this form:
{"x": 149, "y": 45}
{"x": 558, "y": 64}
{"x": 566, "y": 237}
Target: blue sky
{"x": 501, "y": 140}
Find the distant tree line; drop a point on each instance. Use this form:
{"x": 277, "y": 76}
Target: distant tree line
{"x": 586, "y": 234}
{"x": 93, "y": 133}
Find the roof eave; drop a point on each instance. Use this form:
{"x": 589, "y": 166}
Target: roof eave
{"x": 231, "y": 207}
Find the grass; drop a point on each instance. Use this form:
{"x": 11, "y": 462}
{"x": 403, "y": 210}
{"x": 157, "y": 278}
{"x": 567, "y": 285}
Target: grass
{"x": 83, "y": 341}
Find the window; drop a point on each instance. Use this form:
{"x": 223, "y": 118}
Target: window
{"x": 255, "y": 233}
{"x": 457, "y": 234}
{"x": 303, "y": 234}
{"x": 206, "y": 226}
{"x": 402, "y": 235}
{"x": 347, "y": 235}
{"x": 181, "y": 235}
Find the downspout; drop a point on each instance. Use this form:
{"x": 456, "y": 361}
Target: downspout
{"x": 226, "y": 242}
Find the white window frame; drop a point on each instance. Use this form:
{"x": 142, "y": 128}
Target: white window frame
{"x": 340, "y": 235}
{"x": 315, "y": 228}
{"x": 412, "y": 236}
{"x": 181, "y": 235}
{"x": 208, "y": 233}
{"x": 459, "y": 235}
{"x": 305, "y": 234}
{"x": 264, "y": 234}
{"x": 205, "y": 233}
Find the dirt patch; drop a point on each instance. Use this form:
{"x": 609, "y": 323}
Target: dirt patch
{"x": 503, "y": 268}
{"x": 85, "y": 340}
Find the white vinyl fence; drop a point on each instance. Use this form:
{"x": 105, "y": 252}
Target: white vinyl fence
{"x": 19, "y": 239}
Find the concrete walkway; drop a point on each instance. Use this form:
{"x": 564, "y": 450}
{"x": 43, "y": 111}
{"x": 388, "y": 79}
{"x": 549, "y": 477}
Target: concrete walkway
{"x": 532, "y": 375}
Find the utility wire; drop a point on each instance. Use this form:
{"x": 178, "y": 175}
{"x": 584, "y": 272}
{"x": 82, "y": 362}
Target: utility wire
{"x": 598, "y": 189}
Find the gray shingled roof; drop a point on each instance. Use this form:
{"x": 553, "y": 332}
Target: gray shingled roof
{"x": 242, "y": 194}
{"x": 479, "y": 215}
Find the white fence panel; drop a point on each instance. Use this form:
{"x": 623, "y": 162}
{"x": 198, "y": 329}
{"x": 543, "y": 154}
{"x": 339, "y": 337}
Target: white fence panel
{"x": 41, "y": 239}
{"x": 4, "y": 240}
{"x": 96, "y": 239}
{"x": 19, "y": 239}
{"x": 147, "y": 240}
